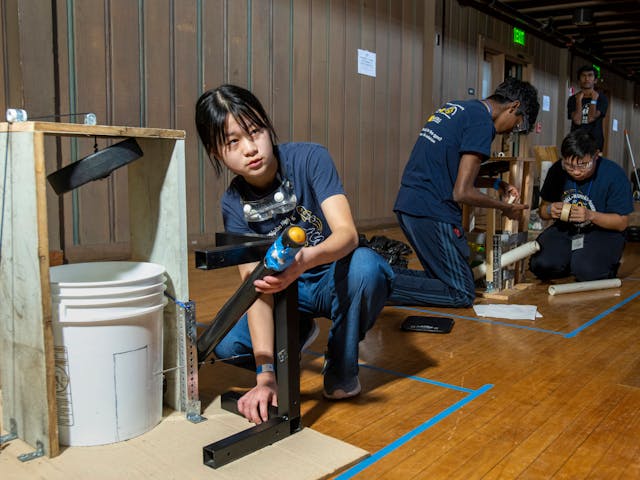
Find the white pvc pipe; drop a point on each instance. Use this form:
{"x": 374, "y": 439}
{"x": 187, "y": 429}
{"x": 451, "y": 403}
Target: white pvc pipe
{"x": 584, "y": 286}
{"x": 507, "y": 258}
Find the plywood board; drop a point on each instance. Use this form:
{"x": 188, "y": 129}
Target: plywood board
{"x": 173, "y": 449}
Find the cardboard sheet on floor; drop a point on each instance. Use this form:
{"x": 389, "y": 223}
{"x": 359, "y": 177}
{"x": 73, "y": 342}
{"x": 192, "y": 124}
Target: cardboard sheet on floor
{"x": 173, "y": 449}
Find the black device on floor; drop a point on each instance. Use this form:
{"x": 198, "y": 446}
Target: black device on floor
{"x": 427, "y": 324}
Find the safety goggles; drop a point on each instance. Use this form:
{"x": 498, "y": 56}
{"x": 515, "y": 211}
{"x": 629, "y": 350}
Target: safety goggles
{"x": 523, "y": 125}
{"x": 576, "y": 167}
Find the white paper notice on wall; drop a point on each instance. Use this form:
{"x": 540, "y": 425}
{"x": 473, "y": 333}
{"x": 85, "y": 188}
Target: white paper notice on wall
{"x": 614, "y": 125}
{"x": 366, "y": 63}
{"x": 546, "y": 103}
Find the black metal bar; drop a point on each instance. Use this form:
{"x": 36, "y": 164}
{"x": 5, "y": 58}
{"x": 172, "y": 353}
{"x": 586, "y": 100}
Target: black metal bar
{"x": 229, "y": 255}
{"x": 231, "y": 238}
{"x": 230, "y": 313}
{"x": 287, "y": 353}
{"x": 243, "y": 443}
{"x": 229, "y": 402}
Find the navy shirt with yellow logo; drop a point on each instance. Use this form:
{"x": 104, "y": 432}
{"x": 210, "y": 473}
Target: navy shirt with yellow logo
{"x": 457, "y": 128}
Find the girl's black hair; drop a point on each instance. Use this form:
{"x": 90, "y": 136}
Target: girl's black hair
{"x": 212, "y": 109}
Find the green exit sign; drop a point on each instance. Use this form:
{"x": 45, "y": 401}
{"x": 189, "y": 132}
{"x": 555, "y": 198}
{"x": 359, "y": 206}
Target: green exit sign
{"x": 518, "y": 36}
{"x": 597, "y": 70}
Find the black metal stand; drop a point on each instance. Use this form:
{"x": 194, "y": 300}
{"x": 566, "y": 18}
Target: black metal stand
{"x": 285, "y": 420}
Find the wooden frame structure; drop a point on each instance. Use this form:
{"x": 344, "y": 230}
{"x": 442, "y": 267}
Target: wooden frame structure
{"x": 158, "y": 233}
{"x": 520, "y": 174}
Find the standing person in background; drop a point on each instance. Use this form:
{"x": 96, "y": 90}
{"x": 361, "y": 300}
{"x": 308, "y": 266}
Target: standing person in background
{"x": 587, "y": 107}
{"x": 275, "y": 186}
{"x": 441, "y": 174}
{"x": 589, "y": 198}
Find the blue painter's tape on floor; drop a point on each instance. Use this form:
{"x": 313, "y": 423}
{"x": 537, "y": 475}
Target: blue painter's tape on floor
{"x": 601, "y": 316}
{"x": 359, "y": 467}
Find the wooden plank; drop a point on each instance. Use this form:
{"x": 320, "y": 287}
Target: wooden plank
{"x": 75, "y": 129}
{"x": 45, "y": 291}
{"x": 25, "y": 316}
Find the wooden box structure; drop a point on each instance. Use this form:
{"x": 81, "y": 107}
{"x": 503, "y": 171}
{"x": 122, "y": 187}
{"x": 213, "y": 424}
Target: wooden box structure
{"x": 520, "y": 174}
{"x": 158, "y": 234}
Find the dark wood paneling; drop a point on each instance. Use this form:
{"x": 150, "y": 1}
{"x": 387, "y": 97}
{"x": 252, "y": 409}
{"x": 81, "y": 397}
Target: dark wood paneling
{"x": 92, "y": 92}
{"x": 301, "y": 69}
{"x": 214, "y": 74}
{"x": 146, "y": 62}
{"x": 351, "y": 113}
{"x": 186, "y": 94}
{"x": 282, "y": 45}
{"x": 337, "y": 36}
{"x": 319, "y": 72}
{"x": 366, "y": 181}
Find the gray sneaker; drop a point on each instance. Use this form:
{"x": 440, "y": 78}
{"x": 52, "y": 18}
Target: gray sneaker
{"x": 342, "y": 391}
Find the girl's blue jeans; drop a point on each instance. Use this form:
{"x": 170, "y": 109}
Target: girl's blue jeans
{"x": 350, "y": 292}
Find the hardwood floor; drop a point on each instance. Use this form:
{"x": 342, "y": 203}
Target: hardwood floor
{"x": 558, "y": 397}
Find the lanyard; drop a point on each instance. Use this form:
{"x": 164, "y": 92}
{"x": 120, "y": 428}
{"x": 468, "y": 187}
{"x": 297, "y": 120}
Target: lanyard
{"x": 575, "y": 184}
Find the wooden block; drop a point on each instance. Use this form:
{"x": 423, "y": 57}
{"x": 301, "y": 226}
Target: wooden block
{"x": 56, "y": 257}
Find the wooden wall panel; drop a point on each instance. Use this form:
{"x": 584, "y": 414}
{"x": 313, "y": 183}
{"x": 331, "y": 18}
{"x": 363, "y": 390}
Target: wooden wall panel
{"x": 159, "y": 103}
{"x": 281, "y": 106}
{"x": 380, "y": 124}
{"x": 186, "y": 93}
{"x": 319, "y": 73}
{"x": 301, "y": 68}
{"x": 337, "y": 61}
{"x": 237, "y": 63}
{"x": 146, "y": 62}
{"x": 397, "y": 160}
{"x": 367, "y": 184}
{"x": 351, "y": 111}
{"x": 213, "y": 74}
{"x": 124, "y": 73}
{"x": 90, "y": 46}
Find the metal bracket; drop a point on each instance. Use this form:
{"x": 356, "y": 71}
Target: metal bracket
{"x": 191, "y": 403}
{"x": 13, "y": 432}
{"x": 496, "y": 285}
{"x": 25, "y": 457}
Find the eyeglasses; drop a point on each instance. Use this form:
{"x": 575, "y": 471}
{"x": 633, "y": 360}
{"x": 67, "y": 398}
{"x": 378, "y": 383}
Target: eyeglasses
{"x": 523, "y": 125}
{"x": 577, "y": 166}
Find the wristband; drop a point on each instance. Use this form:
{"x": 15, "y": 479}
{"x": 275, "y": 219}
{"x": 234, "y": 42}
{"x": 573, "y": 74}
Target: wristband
{"x": 496, "y": 184}
{"x": 265, "y": 367}
{"x": 594, "y": 102}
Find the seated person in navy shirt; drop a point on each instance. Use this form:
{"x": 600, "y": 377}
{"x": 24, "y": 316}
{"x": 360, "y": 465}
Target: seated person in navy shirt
{"x": 590, "y": 198}
{"x": 442, "y": 173}
{"x": 276, "y": 186}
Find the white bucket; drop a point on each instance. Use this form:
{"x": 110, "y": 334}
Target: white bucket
{"x": 108, "y": 351}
